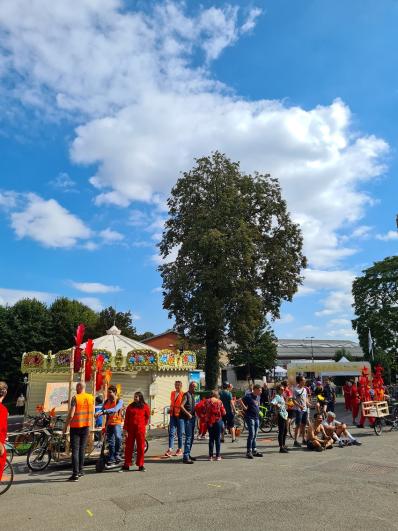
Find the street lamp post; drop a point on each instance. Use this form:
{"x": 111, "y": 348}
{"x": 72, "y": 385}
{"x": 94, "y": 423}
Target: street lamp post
{"x": 312, "y": 351}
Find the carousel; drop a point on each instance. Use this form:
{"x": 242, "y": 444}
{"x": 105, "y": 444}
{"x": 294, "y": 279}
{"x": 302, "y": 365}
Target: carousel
{"x": 130, "y": 365}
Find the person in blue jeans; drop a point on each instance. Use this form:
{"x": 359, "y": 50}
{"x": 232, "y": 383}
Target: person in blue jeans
{"x": 215, "y": 411}
{"x": 187, "y": 413}
{"x": 176, "y": 423}
{"x": 113, "y": 409}
{"x": 251, "y": 403}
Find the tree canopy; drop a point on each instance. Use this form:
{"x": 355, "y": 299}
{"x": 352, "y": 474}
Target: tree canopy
{"x": 238, "y": 255}
{"x": 31, "y": 325}
{"x": 259, "y": 356}
{"x": 376, "y": 306}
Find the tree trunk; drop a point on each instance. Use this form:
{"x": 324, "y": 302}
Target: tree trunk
{"x": 212, "y": 364}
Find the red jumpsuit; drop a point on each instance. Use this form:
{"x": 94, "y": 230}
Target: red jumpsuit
{"x": 135, "y": 423}
{"x": 347, "y": 396}
{"x": 201, "y": 413}
{"x": 3, "y": 435}
{"x": 364, "y": 395}
{"x": 354, "y": 402}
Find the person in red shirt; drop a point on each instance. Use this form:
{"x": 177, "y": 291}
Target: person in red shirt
{"x": 3, "y": 427}
{"x": 354, "y": 401}
{"x": 200, "y": 410}
{"x": 215, "y": 411}
{"x": 135, "y": 423}
{"x": 347, "y": 395}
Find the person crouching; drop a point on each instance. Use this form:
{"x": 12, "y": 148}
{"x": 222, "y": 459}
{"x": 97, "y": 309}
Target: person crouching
{"x": 135, "y": 423}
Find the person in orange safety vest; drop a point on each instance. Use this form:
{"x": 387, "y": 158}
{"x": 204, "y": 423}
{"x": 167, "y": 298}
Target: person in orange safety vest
{"x": 135, "y": 423}
{"x": 79, "y": 419}
{"x": 176, "y": 423}
{"x": 113, "y": 409}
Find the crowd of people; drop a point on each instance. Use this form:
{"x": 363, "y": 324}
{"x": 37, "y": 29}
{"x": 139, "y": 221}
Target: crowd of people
{"x": 214, "y": 414}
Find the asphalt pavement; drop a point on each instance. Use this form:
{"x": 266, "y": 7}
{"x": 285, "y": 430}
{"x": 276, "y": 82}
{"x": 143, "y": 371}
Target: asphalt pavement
{"x": 352, "y": 487}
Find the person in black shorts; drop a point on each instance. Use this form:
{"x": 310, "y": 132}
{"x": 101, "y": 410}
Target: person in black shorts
{"x": 228, "y": 418}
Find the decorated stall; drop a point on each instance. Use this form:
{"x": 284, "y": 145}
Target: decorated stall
{"x": 132, "y": 366}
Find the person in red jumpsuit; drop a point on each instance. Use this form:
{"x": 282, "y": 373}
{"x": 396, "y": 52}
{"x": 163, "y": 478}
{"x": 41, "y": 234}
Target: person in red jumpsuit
{"x": 135, "y": 423}
{"x": 364, "y": 395}
{"x": 354, "y": 401}
{"x": 347, "y": 395}
{"x": 200, "y": 410}
{"x": 3, "y": 427}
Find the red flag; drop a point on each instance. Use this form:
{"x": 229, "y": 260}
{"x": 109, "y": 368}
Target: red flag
{"x": 89, "y": 359}
{"x": 100, "y": 377}
{"x": 77, "y": 359}
{"x": 79, "y": 334}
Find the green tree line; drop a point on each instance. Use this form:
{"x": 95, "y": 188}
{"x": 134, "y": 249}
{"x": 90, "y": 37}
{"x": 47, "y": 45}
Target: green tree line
{"x": 32, "y": 325}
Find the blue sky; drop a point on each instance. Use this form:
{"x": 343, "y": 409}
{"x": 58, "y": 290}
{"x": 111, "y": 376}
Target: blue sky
{"x": 104, "y": 105}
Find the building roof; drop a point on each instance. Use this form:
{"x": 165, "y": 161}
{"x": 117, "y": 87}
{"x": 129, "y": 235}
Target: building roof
{"x": 113, "y": 341}
{"x": 170, "y": 331}
{"x": 322, "y": 348}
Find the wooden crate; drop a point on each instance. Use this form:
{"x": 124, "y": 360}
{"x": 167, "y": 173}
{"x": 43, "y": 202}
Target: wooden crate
{"x": 375, "y": 409}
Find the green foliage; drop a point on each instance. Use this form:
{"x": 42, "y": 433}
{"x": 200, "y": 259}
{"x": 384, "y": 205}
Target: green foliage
{"x": 109, "y": 317}
{"x": 31, "y": 325}
{"x": 376, "y": 307}
{"x": 343, "y": 353}
{"x": 65, "y": 316}
{"x": 238, "y": 255}
{"x": 145, "y": 335}
{"x": 259, "y": 356}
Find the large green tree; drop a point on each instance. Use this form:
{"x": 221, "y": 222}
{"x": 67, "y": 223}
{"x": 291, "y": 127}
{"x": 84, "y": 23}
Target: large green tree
{"x": 259, "y": 355}
{"x": 109, "y": 317}
{"x": 24, "y": 327}
{"x": 376, "y": 307}
{"x": 235, "y": 255}
{"x": 66, "y": 315}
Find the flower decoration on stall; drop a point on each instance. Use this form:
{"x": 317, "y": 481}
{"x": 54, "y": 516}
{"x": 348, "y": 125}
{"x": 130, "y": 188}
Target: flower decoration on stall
{"x": 62, "y": 360}
{"x": 141, "y": 358}
{"x": 33, "y": 360}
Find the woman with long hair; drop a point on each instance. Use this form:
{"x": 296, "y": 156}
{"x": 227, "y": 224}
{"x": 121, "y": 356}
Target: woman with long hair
{"x": 135, "y": 423}
{"x": 215, "y": 411}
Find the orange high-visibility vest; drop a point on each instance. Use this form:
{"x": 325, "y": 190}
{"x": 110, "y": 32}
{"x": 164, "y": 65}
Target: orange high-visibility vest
{"x": 113, "y": 418}
{"x": 84, "y": 411}
{"x": 175, "y": 403}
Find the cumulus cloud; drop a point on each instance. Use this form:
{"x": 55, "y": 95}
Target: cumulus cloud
{"x": 64, "y": 182}
{"x": 389, "y": 236}
{"x": 148, "y": 104}
{"x": 286, "y": 319}
{"x": 92, "y": 302}
{"x": 8, "y": 199}
{"x": 111, "y": 236}
{"x": 337, "y": 302}
{"x": 11, "y": 296}
{"x": 48, "y": 223}
{"x": 94, "y": 287}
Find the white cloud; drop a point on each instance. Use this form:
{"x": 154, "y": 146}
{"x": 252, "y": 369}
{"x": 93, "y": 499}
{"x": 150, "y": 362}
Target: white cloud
{"x": 157, "y": 290}
{"x": 64, "y": 182}
{"x": 286, "y": 319}
{"x": 94, "y": 287}
{"x": 316, "y": 279}
{"x": 309, "y": 328}
{"x": 389, "y": 236}
{"x": 136, "y": 316}
{"x": 8, "y": 200}
{"x": 111, "y": 236}
{"x": 148, "y": 111}
{"x": 11, "y": 296}
{"x": 336, "y": 302}
{"x": 339, "y": 322}
{"x": 48, "y": 223}
{"x": 343, "y": 333}
{"x": 92, "y": 302}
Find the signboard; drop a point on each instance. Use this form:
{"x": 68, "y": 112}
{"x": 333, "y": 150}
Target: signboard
{"x": 330, "y": 368}
{"x": 56, "y": 393}
{"x": 194, "y": 376}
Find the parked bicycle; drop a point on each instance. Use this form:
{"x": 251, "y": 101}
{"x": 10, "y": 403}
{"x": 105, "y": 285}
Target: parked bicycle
{"x": 388, "y": 423}
{"x": 7, "y": 477}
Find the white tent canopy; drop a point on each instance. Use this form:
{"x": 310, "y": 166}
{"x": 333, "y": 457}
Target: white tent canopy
{"x": 280, "y": 370}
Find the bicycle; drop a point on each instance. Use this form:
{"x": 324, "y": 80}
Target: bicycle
{"x": 388, "y": 423}
{"x": 7, "y": 477}
{"x": 268, "y": 419}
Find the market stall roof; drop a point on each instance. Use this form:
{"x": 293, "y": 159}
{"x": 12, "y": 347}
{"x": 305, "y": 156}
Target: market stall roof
{"x": 114, "y": 341}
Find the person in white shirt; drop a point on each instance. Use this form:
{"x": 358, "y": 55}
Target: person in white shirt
{"x": 301, "y": 403}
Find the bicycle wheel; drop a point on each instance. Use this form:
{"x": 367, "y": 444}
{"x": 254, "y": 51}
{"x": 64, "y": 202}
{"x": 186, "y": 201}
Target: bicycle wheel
{"x": 378, "y": 426}
{"x": 7, "y": 477}
{"x": 10, "y": 452}
{"x": 266, "y": 425}
{"x": 39, "y": 456}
